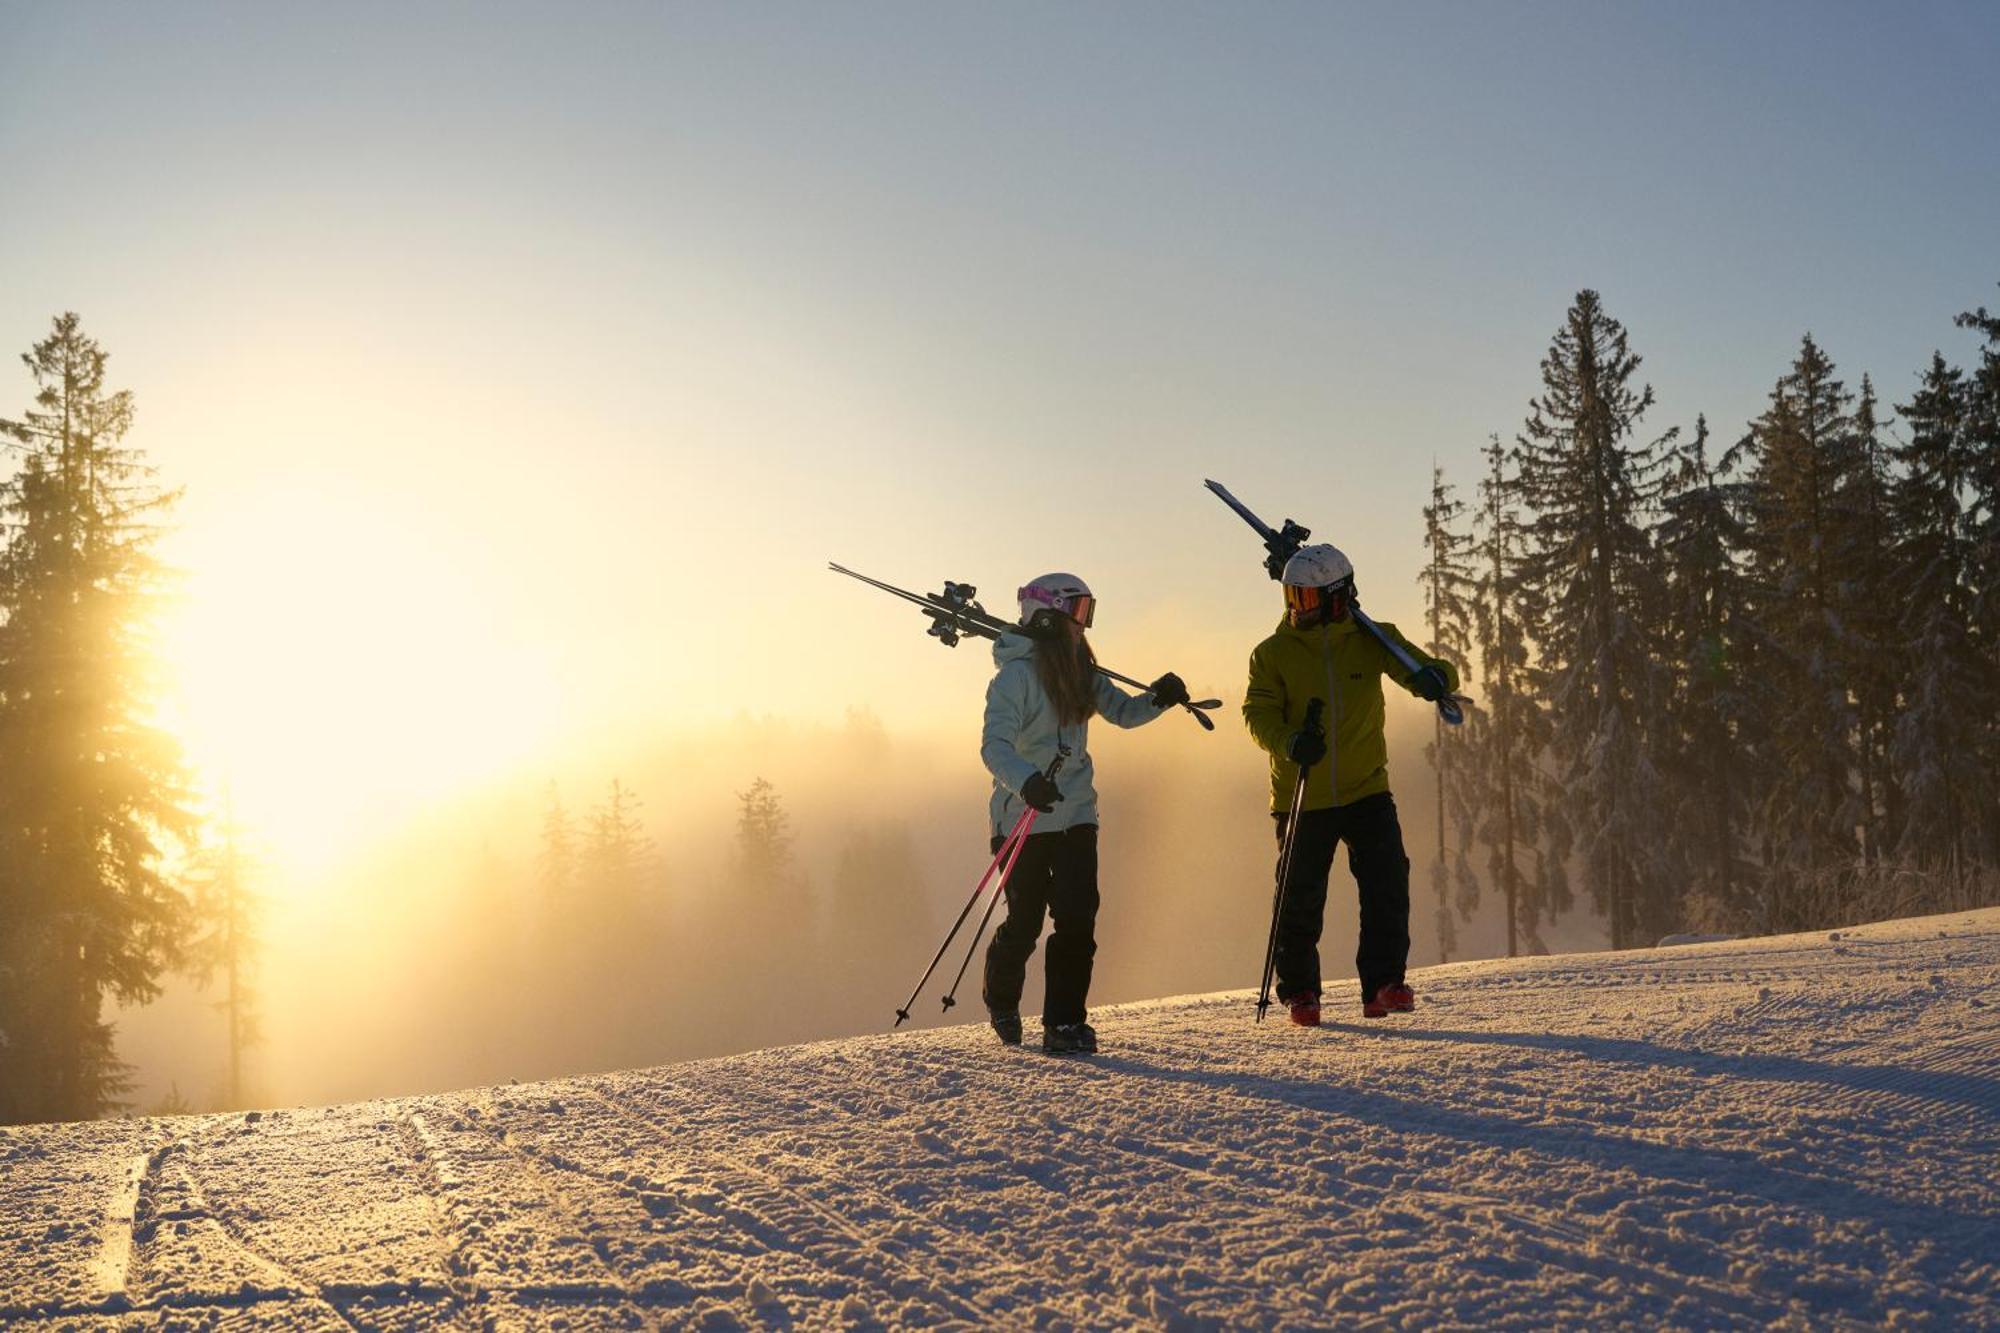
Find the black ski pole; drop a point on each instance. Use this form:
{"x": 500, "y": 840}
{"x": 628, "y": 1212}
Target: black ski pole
{"x": 1012, "y": 838}
{"x": 1000, "y": 886}
{"x": 1285, "y": 867}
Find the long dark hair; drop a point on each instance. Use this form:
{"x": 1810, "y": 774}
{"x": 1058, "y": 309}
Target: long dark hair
{"x": 1068, "y": 673}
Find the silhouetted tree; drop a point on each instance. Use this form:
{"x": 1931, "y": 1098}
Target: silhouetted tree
{"x": 555, "y": 859}
{"x": 1949, "y": 695}
{"x": 1517, "y": 815}
{"x": 1802, "y": 542}
{"x": 1449, "y": 590}
{"x": 1714, "y": 754}
{"x": 228, "y": 940}
{"x": 1587, "y": 484}
{"x": 617, "y": 855}
{"x": 89, "y": 786}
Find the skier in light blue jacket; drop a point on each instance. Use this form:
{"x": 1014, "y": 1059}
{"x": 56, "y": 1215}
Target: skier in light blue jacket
{"x": 1042, "y": 697}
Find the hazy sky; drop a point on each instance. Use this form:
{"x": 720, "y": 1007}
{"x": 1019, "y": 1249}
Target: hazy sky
{"x": 524, "y": 365}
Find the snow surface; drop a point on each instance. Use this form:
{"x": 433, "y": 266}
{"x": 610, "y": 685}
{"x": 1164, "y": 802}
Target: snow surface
{"x": 1802, "y": 1131}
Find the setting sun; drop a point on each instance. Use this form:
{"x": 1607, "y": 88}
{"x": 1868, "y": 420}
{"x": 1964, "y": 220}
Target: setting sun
{"x": 337, "y": 661}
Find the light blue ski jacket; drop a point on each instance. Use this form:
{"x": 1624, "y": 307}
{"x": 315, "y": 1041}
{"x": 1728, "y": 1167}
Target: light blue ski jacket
{"x": 1021, "y": 736}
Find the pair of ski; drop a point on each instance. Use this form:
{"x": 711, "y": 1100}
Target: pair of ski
{"x": 954, "y": 614}
{"x": 1008, "y": 852}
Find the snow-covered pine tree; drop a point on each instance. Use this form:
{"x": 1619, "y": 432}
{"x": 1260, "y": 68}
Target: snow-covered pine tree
{"x": 1448, "y": 584}
{"x": 1588, "y": 483}
{"x": 1711, "y": 748}
{"x": 89, "y": 787}
{"x": 1871, "y": 609}
{"x": 1509, "y": 730}
{"x": 1948, "y": 694}
{"x": 1800, "y": 456}
{"x": 1982, "y": 428}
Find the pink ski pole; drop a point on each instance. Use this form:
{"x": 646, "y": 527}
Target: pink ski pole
{"x": 1011, "y": 843}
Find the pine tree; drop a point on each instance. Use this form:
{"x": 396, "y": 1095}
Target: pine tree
{"x": 764, "y": 842}
{"x": 1871, "y": 606}
{"x": 1711, "y": 747}
{"x": 1507, "y": 787}
{"x": 1803, "y": 539}
{"x": 1448, "y": 583}
{"x": 1982, "y": 526}
{"x": 617, "y": 856}
{"x": 90, "y": 788}
{"x": 1949, "y": 696}
{"x": 1588, "y": 560}
{"x": 228, "y": 914}
{"x": 555, "y": 859}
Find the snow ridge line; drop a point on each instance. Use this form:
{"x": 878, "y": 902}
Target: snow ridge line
{"x": 132, "y": 1220}
{"x": 485, "y": 1120}
{"x": 973, "y": 1252}
{"x": 286, "y": 1279}
{"x": 977, "y": 1312}
{"x": 1546, "y": 1235}
{"x": 463, "y": 1289}
{"x": 470, "y": 1288}
{"x": 1916, "y": 1228}
{"x": 114, "y": 1261}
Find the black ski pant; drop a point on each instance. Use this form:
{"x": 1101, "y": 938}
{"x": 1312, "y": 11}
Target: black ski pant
{"x": 1381, "y": 872}
{"x": 1056, "y": 876}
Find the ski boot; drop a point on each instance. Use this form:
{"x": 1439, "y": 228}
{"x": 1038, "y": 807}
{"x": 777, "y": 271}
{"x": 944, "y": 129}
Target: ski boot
{"x": 1304, "y": 1007}
{"x": 1069, "y": 1039}
{"x": 1006, "y": 1026}
{"x": 1391, "y": 998}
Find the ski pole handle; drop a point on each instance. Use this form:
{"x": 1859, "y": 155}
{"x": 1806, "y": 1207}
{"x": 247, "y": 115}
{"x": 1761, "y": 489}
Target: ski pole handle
{"x": 1194, "y": 707}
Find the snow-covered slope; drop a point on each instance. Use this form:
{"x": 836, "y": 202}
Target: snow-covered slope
{"x": 1803, "y": 1129}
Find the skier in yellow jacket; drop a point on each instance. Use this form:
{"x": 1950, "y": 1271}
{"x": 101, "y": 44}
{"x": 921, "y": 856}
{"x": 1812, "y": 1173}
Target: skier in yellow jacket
{"x": 1319, "y": 652}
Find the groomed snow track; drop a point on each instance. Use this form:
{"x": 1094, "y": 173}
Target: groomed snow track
{"x": 1800, "y": 1131}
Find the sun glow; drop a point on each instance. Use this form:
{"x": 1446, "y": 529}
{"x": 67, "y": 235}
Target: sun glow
{"x": 338, "y": 664}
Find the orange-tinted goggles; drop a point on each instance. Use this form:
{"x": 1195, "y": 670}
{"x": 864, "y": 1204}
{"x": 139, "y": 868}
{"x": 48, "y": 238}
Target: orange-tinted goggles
{"x": 1305, "y": 601}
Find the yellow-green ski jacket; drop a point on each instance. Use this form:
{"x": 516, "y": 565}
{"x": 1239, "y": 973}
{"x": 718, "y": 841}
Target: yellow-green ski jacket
{"x": 1342, "y": 664}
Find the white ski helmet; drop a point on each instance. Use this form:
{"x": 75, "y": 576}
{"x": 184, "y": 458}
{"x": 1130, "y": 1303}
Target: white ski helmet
{"x": 1319, "y": 566}
{"x": 1319, "y": 586}
{"x": 1054, "y": 595}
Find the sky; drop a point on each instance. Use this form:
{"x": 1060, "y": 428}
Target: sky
{"x": 524, "y": 365}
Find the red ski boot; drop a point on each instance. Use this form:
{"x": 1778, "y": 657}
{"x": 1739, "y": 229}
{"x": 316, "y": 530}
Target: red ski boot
{"x": 1305, "y": 1008}
{"x": 1394, "y": 998}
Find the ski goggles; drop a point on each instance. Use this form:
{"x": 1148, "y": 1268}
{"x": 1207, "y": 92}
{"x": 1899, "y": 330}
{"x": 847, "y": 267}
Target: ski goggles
{"x": 1082, "y": 608}
{"x": 1303, "y": 602}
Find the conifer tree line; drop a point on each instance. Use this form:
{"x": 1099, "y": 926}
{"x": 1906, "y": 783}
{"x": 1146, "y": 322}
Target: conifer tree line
{"x": 1741, "y": 688}
{"x": 107, "y": 880}
{"x": 620, "y": 953}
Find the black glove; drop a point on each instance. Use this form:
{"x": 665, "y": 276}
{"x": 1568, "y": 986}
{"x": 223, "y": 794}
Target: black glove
{"x": 1430, "y": 683}
{"x": 1168, "y": 691}
{"x": 1305, "y": 748}
{"x": 1041, "y": 792}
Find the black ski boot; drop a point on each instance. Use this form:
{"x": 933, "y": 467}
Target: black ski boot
{"x": 1069, "y": 1039}
{"x": 1006, "y": 1026}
